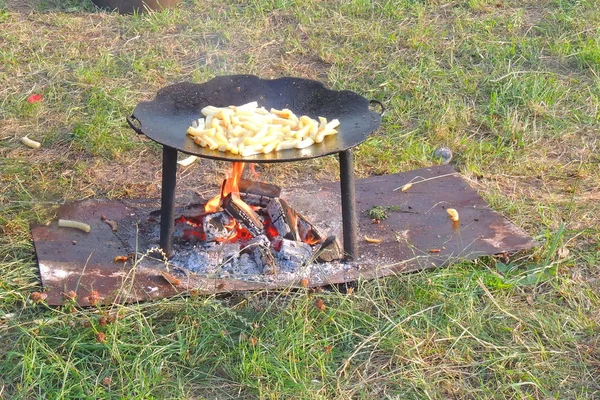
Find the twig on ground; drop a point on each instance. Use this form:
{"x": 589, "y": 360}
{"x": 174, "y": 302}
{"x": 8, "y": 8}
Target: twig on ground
{"x": 412, "y": 182}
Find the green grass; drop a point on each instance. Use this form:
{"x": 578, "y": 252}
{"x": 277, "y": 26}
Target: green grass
{"x": 513, "y": 88}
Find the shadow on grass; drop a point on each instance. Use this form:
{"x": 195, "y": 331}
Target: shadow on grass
{"x": 27, "y": 6}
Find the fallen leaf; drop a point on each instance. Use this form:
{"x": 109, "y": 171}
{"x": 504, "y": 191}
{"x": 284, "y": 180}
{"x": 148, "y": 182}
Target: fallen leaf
{"x": 113, "y": 225}
{"x": 170, "y": 278}
{"x": 304, "y": 282}
{"x": 328, "y": 349}
{"x": 253, "y": 341}
{"x": 120, "y": 259}
{"x": 106, "y": 381}
{"x": 529, "y": 300}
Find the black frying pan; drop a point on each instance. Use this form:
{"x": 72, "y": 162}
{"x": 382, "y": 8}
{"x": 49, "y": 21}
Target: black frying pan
{"x": 167, "y": 118}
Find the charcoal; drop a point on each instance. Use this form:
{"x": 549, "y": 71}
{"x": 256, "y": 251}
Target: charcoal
{"x": 196, "y": 260}
{"x": 264, "y": 257}
{"x": 241, "y": 266}
{"x": 329, "y": 250}
{"x": 278, "y": 217}
{"x": 257, "y": 241}
{"x": 255, "y": 199}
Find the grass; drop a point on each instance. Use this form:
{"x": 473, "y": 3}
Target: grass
{"x": 512, "y": 87}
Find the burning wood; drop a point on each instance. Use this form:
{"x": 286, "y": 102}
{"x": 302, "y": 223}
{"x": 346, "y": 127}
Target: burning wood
{"x": 244, "y": 214}
{"x": 230, "y": 187}
{"x": 279, "y": 218}
{"x": 308, "y": 232}
{"x": 258, "y": 188}
{"x": 256, "y": 194}
{"x": 292, "y": 221}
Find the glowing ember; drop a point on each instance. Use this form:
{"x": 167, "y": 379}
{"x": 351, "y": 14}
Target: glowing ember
{"x": 238, "y": 232}
{"x": 231, "y": 186}
{"x": 270, "y": 230}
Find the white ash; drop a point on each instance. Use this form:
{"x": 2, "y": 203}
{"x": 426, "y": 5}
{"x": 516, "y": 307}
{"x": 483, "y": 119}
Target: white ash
{"x": 293, "y": 262}
{"x": 214, "y": 226}
{"x": 196, "y": 259}
{"x": 293, "y": 255}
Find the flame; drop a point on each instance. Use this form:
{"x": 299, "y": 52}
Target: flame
{"x": 231, "y": 186}
{"x": 311, "y": 239}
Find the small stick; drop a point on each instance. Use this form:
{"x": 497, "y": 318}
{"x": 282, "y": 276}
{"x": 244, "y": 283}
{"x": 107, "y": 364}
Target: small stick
{"x": 409, "y": 184}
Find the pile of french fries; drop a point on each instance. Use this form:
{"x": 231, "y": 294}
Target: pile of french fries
{"x": 248, "y": 129}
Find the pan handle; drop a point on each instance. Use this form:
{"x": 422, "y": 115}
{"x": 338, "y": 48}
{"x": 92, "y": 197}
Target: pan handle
{"x": 380, "y": 104}
{"x": 133, "y": 125}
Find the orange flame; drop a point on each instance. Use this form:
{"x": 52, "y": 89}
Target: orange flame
{"x": 311, "y": 239}
{"x": 231, "y": 186}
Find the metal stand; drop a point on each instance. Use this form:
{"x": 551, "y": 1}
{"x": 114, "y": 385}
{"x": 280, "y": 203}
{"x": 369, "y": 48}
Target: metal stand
{"x": 349, "y": 223}
{"x": 167, "y": 200}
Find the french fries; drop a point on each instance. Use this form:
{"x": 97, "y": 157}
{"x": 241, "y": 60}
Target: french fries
{"x": 30, "y": 143}
{"x": 248, "y": 129}
{"x": 67, "y": 223}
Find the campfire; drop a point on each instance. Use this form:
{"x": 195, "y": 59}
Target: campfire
{"x": 249, "y": 229}
{"x": 250, "y": 236}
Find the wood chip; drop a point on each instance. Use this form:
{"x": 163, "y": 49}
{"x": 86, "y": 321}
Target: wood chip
{"x": 170, "y": 278}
